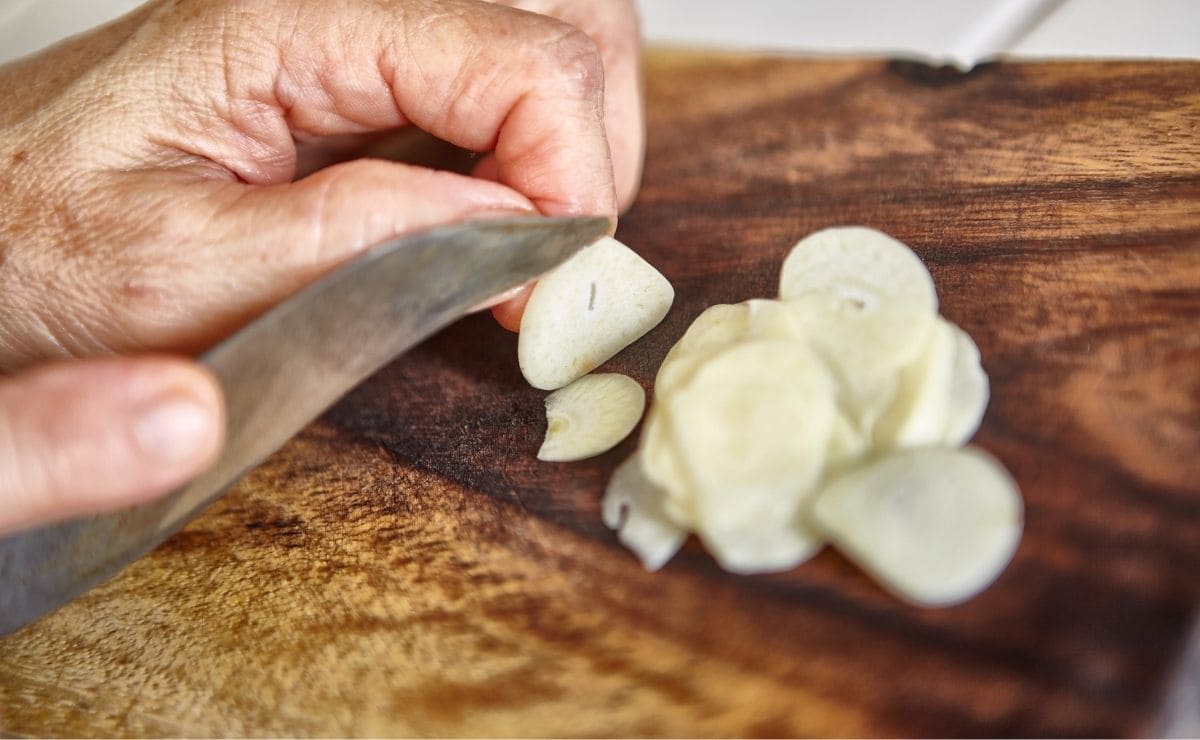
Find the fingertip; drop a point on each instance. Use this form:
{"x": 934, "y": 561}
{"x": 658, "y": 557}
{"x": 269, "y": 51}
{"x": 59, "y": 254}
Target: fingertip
{"x": 509, "y": 313}
{"x": 487, "y": 169}
{"x": 178, "y": 430}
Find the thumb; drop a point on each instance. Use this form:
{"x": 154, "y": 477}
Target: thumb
{"x": 93, "y": 435}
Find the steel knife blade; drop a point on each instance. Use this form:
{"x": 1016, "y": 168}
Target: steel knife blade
{"x": 286, "y": 367}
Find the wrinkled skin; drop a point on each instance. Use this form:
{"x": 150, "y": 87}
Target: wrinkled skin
{"x": 169, "y": 176}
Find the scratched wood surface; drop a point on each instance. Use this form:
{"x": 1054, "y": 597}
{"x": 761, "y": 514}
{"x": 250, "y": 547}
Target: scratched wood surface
{"x": 406, "y": 566}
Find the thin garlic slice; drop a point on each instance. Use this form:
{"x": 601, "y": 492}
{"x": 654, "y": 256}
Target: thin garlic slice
{"x": 721, "y": 326}
{"x": 768, "y": 547}
{"x": 714, "y": 329}
{"x": 861, "y": 269}
{"x": 869, "y": 306}
{"x": 663, "y": 466}
{"x": 587, "y": 310}
{"x": 633, "y": 506}
{"x": 591, "y": 416}
{"x": 752, "y": 428}
{"x": 969, "y": 391}
{"x": 934, "y": 525}
{"x": 919, "y": 414}
{"x": 847, "y": 443}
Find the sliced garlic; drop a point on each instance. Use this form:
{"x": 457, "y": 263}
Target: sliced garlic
{"x": 847, "y": 443}
{"x": 969, "y": 392}
{"x": 768, "y": 547}
{"x": 934, "y": 525}
{"x": 591, "y": 416}
{"x": 919, "y": 414}
{"x": 769, "y": 415}
{"x": 587, "y": 310}
{"x": 869, "y": 306}
{"x": 722, "y": 326}
{"x": 860, "y": 269}
{"x": 632, "y": 505}
{"x": 752, "y": 427}
{"x": 662, "y": 465}
{"x": 714, "y": 329}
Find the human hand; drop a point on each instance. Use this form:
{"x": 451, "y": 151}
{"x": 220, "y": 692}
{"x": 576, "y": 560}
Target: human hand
{"x": 148, "y": 201}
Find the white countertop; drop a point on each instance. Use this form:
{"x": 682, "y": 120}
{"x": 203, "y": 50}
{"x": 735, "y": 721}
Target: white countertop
{"x": 955, "y": 31}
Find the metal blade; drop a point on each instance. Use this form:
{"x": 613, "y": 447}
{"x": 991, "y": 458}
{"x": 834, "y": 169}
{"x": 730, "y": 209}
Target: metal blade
{"x": 285, "y": 368}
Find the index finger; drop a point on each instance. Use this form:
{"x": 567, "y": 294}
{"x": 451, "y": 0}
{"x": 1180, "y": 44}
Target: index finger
{"x": 484, "y": 77}
{"x": 615, "y": 27}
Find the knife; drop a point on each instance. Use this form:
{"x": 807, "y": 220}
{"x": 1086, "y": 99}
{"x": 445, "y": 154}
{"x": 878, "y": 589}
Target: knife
{"x": 284, "y": 369}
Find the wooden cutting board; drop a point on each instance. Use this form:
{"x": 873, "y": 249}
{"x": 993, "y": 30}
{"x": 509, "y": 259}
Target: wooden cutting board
{"x": 406, "y": 566}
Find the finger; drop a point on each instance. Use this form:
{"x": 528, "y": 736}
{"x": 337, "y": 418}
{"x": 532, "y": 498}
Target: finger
{"x": 483, "y": 77}
{"x": 242, "y": 248}
{"x": 95, "y": 435}
{"x": 508, "y": 313}
{"x": 615, "y": 28}
{"x": 311, "y": 224}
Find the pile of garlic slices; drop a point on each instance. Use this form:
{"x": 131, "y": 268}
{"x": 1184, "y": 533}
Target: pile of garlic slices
{"x": 835, "y": 414}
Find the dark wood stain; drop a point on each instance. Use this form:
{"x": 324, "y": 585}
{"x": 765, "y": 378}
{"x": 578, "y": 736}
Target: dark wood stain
{"x": 406, "y": 566}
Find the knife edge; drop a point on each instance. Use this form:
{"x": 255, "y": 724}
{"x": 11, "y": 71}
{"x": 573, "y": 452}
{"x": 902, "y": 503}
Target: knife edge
{"x": 286, "y": 367}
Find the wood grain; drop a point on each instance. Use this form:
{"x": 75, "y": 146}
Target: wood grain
{"x": 406, "y": 566}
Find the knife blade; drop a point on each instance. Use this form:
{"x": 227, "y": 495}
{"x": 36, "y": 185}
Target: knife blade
{"x": 282, "y": 370}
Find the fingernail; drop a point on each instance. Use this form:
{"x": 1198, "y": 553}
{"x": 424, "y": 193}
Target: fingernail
{"x": 175, "y": 429}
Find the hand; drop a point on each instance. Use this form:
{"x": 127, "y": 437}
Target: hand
{"x": 148, "y": 197}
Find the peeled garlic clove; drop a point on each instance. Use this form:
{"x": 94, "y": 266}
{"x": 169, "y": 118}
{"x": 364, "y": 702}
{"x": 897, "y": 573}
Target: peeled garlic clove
{"x": 919, "y": 414}
{"x": 591, "y": 416}
{"x": 934, "y": 525}
{"x": 969, "y": 391}
{"x": 632, "y": 505}
{"x": 751, "y": 429}
{"x": 587, "y": 310}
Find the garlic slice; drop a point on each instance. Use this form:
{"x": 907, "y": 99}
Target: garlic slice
{"x": 632, "y": 505}
{"x": 860, "y": 269}
{"x": 934, "y": 525}
{"x": 587, "y": 310}
{"x": 869, "y": 305}
{"x": 969, "y": 391}
{"x": 921, "y": 410}
{"x": 769, "y": 547}
{"x": 751, "y": 429}
{"x": 591, "y": 416}
{"x": 721, "y": 326}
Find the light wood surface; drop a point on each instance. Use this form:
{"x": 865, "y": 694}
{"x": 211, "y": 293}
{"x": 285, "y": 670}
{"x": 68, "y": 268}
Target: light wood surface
{"x": 406, "y": 566}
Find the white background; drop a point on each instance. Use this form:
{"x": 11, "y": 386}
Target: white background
{"x": 957, "y": 31}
